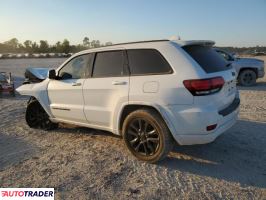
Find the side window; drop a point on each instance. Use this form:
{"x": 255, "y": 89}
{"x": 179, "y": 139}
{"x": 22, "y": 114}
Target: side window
{"x": 109, "y": 64}
{"x": 76, "y": 68}
{"x": 147, "y": 61}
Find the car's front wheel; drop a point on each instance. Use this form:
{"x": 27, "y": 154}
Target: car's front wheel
{"x": 247, "y": 78}
{"x": 36, "y": 117}
{"x": 147, "y": 136}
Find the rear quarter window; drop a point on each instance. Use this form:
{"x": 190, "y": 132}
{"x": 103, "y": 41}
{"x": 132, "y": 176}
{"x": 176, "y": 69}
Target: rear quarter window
{"x": 209, "y": 60}
{"x": 147, "y": 61}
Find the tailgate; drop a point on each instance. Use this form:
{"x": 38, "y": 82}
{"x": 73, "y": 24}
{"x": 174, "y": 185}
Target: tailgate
{"x": 214, "y": 65}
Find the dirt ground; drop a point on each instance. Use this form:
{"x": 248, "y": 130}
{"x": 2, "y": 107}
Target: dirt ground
{"x": 82, "y": 163}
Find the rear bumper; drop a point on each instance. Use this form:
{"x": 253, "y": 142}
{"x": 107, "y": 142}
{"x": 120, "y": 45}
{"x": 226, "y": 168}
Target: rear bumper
{"x": 190, "y": 124}
{"x": 210, "y": 137}
{"x": 234, "y": 105}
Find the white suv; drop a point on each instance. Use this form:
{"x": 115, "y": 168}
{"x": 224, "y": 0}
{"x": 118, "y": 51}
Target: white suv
{"x": 152, "y": 93}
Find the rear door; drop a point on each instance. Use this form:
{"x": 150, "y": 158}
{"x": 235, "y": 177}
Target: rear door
{"x": 106, "y": 91}
{"x": 150, "y": 78}
{"x": 214, "y": 66}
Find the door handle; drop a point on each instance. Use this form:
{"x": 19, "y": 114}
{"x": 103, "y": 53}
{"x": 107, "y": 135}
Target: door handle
{"x": 119, "y": 82}
{"x": 76, "y": 84}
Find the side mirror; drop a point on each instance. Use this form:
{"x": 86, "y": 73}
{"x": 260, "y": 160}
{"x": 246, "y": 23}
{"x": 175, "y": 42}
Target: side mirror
{"x": 52, "y": 74}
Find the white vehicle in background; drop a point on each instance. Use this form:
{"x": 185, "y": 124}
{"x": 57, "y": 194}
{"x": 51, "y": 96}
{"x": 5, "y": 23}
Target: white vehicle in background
{"x": 248, "y": 69}
{"x": 152, "y": 93}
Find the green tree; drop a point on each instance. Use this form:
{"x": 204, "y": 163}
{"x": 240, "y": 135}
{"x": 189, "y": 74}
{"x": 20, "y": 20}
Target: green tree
{"x": 44, "y": 46}
{"x": 13, "y": 46}
{"x": 13, "y": 43}
{"x": 20, "y": 48}
{"x": 28, "y": 46}
{"x": 95, "y": 43}
{"x": 35, "y": 47}
{"x": 65, "y": 46}
{"x": 58, "y": 47}
{"x": 86, "y": 42}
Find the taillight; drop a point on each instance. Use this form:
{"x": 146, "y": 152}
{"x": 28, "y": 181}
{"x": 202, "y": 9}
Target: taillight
{"x": 211, "y": 127}
{"x": 200, "y": 87}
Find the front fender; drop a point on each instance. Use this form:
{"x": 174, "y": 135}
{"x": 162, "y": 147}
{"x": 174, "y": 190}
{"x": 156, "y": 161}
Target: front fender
{"x": 39, "y": 91}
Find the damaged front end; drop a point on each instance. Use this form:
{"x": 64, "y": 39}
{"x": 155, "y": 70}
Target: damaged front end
{"x": 35, "y": 75}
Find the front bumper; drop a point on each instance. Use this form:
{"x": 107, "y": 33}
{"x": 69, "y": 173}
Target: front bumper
{"x": 261, "y": 73}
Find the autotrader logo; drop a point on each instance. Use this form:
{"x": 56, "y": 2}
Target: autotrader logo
{"x": 27, "y": 193}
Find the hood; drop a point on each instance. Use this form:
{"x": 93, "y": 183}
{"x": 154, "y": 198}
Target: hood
{"x": 36, "y": 74}
{"x": 249, "y": 60}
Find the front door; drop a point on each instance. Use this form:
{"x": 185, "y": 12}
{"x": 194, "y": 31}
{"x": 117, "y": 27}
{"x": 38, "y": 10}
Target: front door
{"x": 65, "y": 94}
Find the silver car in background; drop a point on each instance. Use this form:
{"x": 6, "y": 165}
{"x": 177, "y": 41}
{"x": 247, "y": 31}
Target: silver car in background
{"x": 248, "y": 69}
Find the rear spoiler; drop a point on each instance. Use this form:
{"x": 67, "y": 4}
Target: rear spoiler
{"x": 195, "y": 42}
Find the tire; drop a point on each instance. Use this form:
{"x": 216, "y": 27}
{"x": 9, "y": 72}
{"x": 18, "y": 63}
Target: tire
{"x": 247, "y": 78}
{"x": 36, "y": 117}
{"x": 147, "y": 136}
{"x": 13, "y": 93}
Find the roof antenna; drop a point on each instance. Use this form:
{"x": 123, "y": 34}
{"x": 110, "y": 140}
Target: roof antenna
{"x": 175, "y": 37}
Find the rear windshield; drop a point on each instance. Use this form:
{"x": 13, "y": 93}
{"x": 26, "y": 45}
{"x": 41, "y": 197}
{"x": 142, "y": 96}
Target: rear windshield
{"x": 207, "y": 58}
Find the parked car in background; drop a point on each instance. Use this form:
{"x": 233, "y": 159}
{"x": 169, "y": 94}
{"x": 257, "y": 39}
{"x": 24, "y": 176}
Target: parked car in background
{"x": 153, "y": 93}
{"x": 248, "y": 69}
{"x": 6, "y": 84}
{"x": 259, "y": 53}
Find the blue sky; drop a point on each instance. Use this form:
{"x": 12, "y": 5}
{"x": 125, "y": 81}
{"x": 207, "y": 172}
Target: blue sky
{"x": 228, "y": 22}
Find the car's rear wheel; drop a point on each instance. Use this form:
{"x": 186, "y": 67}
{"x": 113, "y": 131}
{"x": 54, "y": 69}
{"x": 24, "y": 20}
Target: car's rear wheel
{"x": 36, "y": 117}
{"x": 247, "y": 78}
{"x": 147, "y": 136}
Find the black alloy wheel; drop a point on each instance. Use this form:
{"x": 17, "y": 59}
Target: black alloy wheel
{"x": 146, "y": 135}
{"x": 36, "y": 117}
{"x": 143, "y": 137}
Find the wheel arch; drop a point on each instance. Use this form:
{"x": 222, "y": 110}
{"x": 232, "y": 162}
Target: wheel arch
{"x": 127, "y": 109}
{"x": 39, "y": 92}
{"x": 249, "y": 68}
{"x": 43, "y": 103}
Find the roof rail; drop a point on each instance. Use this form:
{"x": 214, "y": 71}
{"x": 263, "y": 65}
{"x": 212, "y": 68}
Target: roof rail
{"x": 138, "y": 42}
